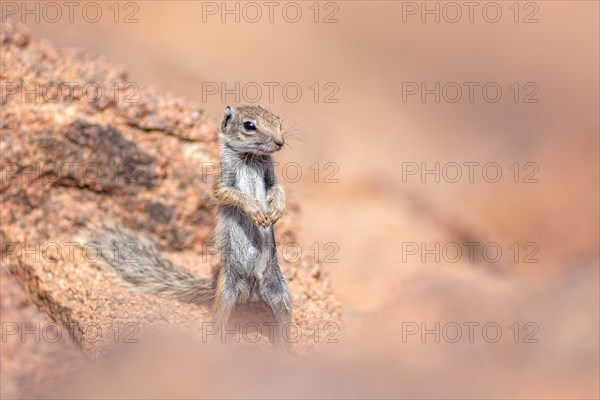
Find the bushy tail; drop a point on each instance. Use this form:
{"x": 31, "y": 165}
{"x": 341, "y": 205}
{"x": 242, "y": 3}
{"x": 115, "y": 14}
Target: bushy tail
{"x": 137, "y": 261}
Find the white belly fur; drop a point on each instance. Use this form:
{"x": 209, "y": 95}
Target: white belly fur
{"x": 250, "y": 181}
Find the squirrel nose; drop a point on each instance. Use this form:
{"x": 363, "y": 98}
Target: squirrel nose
{"x": 279, "y": 141}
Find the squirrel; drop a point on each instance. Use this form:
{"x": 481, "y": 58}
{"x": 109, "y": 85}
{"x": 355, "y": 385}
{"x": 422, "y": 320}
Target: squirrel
{"x": 250, "y": 202}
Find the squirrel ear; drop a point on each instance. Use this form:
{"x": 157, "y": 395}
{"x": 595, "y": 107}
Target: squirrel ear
{"x": 261, "y": 107}
{"x": 229, "y": 112}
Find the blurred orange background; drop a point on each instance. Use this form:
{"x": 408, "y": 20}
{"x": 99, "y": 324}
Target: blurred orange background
{"x": 376, "y": 130}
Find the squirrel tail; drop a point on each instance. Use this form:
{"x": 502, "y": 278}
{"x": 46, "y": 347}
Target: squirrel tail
{"x": 136, "y": 260}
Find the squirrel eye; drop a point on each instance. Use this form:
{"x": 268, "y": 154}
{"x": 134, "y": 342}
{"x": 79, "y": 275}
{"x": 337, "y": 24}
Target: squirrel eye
{"x": 249, "y": 126}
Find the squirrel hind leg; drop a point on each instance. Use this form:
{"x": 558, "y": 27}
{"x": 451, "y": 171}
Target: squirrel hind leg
{"x": 226, "y": 295}
{"x": 275, "y": 293}
{"x": 282, "y": 314}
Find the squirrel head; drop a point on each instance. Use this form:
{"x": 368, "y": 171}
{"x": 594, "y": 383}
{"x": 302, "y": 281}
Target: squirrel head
{"x": 252, "y": 129}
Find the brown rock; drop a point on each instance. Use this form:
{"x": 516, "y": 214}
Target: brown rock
{"x": 137, "y": 157}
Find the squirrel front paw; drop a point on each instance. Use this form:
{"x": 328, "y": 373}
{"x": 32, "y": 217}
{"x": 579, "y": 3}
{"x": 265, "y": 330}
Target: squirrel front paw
{"x": 255, "y": 211}
{"x": 276, "y": 209}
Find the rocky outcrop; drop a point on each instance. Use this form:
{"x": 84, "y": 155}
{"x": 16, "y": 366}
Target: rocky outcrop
{"x": 81, "y": 143}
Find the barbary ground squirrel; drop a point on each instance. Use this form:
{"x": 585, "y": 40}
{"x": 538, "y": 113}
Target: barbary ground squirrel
{"x": 250, "y": 202}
